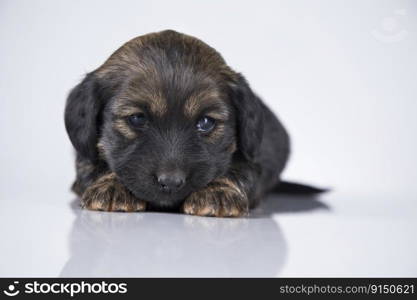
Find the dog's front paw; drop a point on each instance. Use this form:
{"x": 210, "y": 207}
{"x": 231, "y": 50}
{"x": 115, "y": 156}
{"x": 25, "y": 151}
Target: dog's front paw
{"x": 221, "y": 198}
{"x": 108, "y": 194}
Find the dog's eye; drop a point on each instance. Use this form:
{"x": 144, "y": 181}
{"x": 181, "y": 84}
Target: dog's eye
{"x": 137, "y": 120}
{"x": 205, "y": 124}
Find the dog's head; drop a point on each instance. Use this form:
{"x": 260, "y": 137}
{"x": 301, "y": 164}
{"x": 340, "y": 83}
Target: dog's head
{"x": 166, "y": 114}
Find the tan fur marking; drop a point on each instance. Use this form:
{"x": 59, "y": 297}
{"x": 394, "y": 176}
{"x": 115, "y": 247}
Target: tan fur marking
{"x": 108, "y": 194}
{"x": 145, "y": 95}
{"x": 219, "y": 115}
{"x": 158, "y": 104}
{"x": 126, "y": 110}
{"x": 223, "y": 198}
{"x": 123, "y": 128}
{"x": 231, "y": 184}
{"x": 205, "y": 97}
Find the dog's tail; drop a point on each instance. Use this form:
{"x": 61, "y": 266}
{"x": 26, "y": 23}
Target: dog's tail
{"x": 286, "y": 187}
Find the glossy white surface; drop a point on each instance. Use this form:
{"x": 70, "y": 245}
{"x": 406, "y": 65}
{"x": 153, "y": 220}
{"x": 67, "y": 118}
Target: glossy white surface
{"x": 334, "y": 235}
{"x": 341, "y": 76}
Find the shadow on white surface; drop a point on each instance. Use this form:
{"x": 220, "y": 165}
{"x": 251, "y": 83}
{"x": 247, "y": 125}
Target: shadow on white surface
{"x": 174, "y": 245}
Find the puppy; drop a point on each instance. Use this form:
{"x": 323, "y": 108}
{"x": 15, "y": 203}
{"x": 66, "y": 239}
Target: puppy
{"x": 166, "y": 124}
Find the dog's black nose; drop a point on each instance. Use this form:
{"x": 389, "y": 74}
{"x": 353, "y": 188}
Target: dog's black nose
{"x": 171, "y": 181}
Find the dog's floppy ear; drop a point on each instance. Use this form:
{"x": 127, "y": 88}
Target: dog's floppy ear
{"x": 249, "y": 118}
{"x": 82, "y": 114}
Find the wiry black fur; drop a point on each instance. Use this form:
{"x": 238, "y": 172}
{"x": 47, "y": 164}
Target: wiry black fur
{"x": 251, "y": 152}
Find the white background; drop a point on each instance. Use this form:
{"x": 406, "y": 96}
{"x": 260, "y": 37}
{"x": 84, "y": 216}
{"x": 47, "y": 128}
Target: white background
{"x": 341, "y": 75}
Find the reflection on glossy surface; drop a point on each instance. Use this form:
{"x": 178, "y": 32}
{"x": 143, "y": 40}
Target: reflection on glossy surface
{"x": 166, "y": 244}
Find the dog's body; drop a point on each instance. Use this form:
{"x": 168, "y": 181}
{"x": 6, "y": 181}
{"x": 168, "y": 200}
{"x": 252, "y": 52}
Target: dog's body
{"x": 165, "y": 123}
